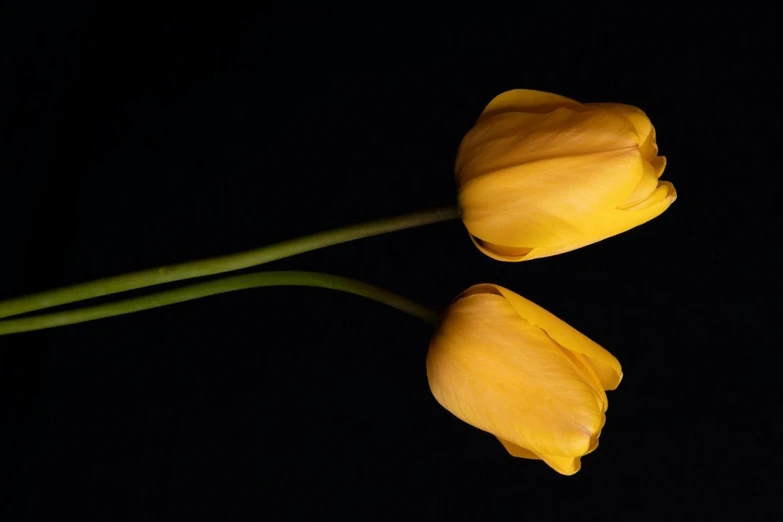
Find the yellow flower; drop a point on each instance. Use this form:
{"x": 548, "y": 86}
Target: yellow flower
{"x": 540, "y": 174}
{"x": 509, "y": 367}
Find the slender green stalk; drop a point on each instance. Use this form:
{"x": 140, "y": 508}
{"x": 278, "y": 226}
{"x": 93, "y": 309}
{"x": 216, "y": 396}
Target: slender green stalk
{"x": 221, "y": 264}
{"x": 218, "y": 286}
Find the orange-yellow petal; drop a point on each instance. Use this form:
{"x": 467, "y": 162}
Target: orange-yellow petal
{"x": 516, "y": 198}
{"x": 500, "y": 252}
{"x": 633, "y": 114}
{"x": 605, "y": 365}
{"x": 563, "y": 465}
{"x": 594, "y": 440}
{"x": 497, "y": 372}
{"x": 518, "y": 451}
{"x": 659, "y": 164}
{"x": 527, "y": 100}
{"x": 615, "y": 221}
{"x": 550, "y": 202}
{"x": 587, "y": 372}
{"x": 504, "y": 253}
{"x": 644, "y": 129}
{"x": 644, "y": 189}
{"x": 664, "y": 193}
{"x": 514, "y": 138}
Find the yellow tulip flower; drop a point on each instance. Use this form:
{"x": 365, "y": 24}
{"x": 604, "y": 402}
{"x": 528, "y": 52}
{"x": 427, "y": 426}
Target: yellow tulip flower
{"x": 507, "y": 366}
{"x": 540, "y": 174}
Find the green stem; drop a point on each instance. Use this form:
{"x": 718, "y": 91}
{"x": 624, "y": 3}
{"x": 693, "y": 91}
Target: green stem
{"x": 221, "y": 264}
{"x": 218, "y": 286}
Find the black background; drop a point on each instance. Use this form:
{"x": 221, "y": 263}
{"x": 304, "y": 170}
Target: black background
{"x": 151, "y": 135}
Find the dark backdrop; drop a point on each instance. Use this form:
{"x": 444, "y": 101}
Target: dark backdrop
{"x": 150, "y": 135}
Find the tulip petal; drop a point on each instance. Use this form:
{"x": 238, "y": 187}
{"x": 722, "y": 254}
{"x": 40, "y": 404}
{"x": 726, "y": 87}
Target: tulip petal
{"x": 497, "y": 372}
{"x": 514, "y": 138}
{"x": 664, "y": 192}
{"x": 548, "y": 203}
{"x": 512, "y": 170}
{"x": 594, "y": 440}
{"x": 635, "y": 115}
{"x": 527, "y": 100}
{"x": 644, "y": 128}
{"x": 659, "y": 164}
{"x": 616, "y": 221}
{"x": 563, "y": 465}
{"x": 605, "y": 365}
{"x": 644, "y": 189}
{"x": 588, "y": 374}
{"x": 518, "y": 451}
{"x": 499, "y": 252}
{"x": 481, "y": 288}
{"x": 522, "y": 453}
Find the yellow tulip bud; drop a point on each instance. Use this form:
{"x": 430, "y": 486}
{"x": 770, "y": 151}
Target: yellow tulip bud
{"x": 540, "y": 174}
{"x": 509, "y": 367}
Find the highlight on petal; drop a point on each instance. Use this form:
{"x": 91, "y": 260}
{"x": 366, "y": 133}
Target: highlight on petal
{"x": 606, "y": 366}
{"x": 594, "y": 441}
{"x": 664, "y": 193}
{"x": 616, "y": 221}
{"x": 583, "y": 367}
{"x": 646, "y": 186}
{"x": 644, "y": 129}
{"x": 550, "y": 202}
{"x": 511, "y": 139}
